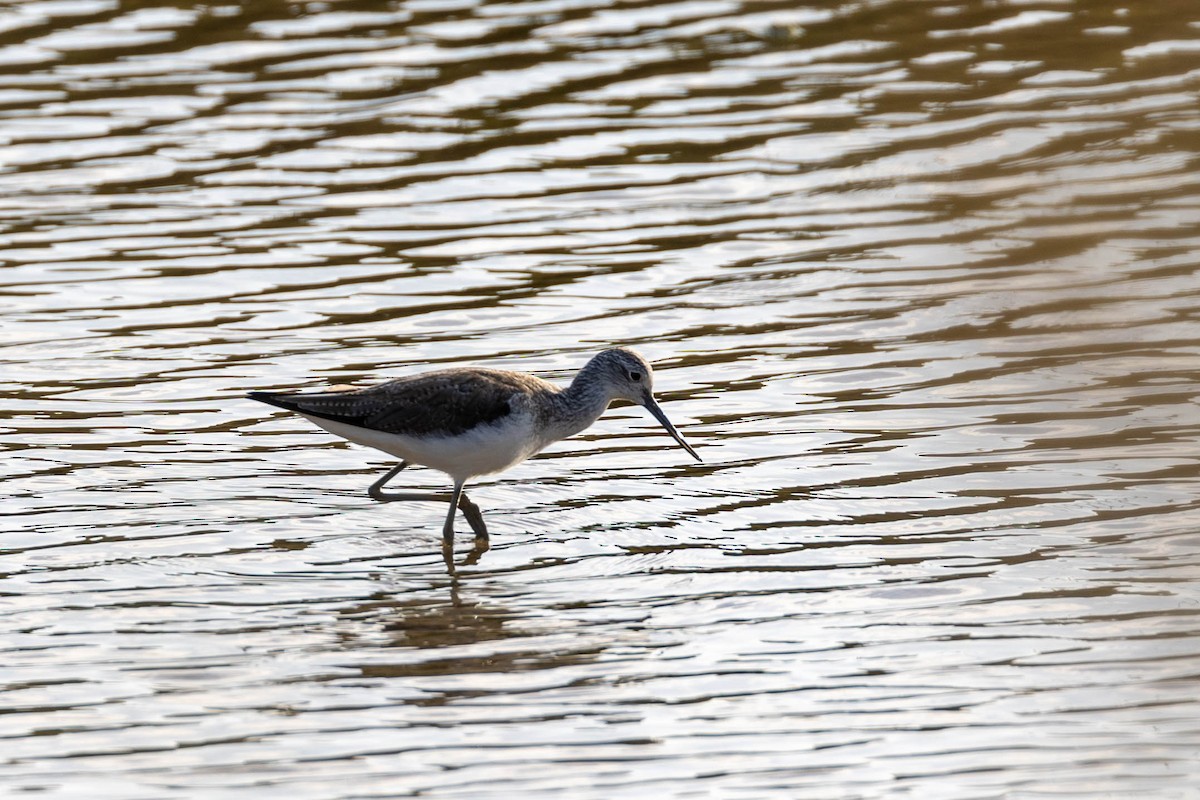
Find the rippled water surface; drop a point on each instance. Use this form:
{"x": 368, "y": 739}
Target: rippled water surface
{"x": 919, "y": 279}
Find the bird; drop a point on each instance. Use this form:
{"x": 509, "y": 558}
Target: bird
{"x": 473, "y": 421}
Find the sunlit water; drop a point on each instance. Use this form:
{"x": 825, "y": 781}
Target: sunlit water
{"x": 919, "y": 281}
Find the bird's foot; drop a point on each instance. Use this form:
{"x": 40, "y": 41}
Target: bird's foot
{"x": 474, "y": 518}
{"x": 480, "y": 547}
{"x": 392, "y": 497}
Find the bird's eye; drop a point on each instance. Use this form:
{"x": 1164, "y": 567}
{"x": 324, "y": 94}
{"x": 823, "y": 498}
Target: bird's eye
{"x": 635, "y": 376}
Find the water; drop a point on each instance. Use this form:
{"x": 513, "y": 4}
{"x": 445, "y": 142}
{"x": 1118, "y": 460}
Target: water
{"x": 919, "y": 281}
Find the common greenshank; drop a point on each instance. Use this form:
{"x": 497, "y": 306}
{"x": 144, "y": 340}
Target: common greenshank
{"x": 472, "y": 421}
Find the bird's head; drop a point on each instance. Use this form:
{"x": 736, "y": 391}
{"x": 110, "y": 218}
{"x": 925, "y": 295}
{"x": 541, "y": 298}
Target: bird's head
{"x": 626, "y": 374}
{"x": 630, "y": 377}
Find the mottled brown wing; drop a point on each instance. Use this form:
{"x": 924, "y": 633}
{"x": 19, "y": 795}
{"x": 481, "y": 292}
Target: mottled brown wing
{"x": 443, "y": 403}
{"x": 446, "y": 403}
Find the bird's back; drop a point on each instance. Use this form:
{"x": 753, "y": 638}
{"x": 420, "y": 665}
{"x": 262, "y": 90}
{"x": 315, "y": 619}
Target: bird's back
{"x": 441, "y": 403}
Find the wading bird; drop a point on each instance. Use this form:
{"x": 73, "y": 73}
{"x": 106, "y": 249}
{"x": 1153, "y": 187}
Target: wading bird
{"x": 472, "y": 421}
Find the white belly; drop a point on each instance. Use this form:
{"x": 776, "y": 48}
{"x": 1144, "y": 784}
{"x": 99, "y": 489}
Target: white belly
{"x": 480, "y": 451}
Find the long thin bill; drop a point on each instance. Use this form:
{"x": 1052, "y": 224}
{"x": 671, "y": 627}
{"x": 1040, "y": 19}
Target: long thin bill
{"x": 653, "y": 408}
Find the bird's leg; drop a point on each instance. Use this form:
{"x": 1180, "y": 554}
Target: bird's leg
{"x": 475, "y": 517}
{"x": 448, "y": 528}
{"x": 458, "y": 500}
{"x": 376, "y": 491}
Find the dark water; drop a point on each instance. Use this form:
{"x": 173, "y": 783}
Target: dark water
{"x": 919, "y": 279}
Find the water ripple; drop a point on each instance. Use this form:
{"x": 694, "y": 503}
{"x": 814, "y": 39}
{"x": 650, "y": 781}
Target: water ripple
{"x": 918, "y": 280}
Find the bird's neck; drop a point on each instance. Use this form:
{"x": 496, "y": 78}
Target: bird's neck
{"x": 578, "y": 406}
